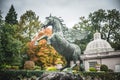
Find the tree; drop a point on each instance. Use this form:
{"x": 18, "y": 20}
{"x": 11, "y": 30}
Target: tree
{"x": 84, "y": 25}
{"x": 0, "y": 28}
{"x": 0, "y": 17}
{"x": 11, "y": 45}
{"x": 10, "y": 42}
{"x": 104, "y": 67}
{"x": 109, "y": 22}
{"x": 11, "y": 16}
{"x": 29, "y": 25}
{"x": 113, "y": 28}
{"x": 106, "y": 22}
{"x": 1, "y": 50}
{"x": 97, "y": 18}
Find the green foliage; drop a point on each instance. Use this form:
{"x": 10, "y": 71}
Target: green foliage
{"x": 92, "y": 69}
{"x": 8, "y": 67}
{"x": 110, "y": 70}
{"x": 11, "y": 16}
{"x": 0, "y": 17}
{"x": 14, "y": 37}
{"x": 11, "y": 46}
{"x": 106, "y": 22}
{"x": 18, "y": 74}
{"x": 84, "y": 26}
{"x": 37, "y": 68}
{"x": 29, "y": 25}
{"x": 104, "y": 68}
{"x": 1, "y": 49}
{"x": 51, "y": 68}
{"x": 76, "y": 68}
{"x": 101, "y": 75}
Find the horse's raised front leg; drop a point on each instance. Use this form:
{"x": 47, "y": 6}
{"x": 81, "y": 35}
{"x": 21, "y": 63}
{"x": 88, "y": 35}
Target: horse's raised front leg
{"x": 42, "y": 37}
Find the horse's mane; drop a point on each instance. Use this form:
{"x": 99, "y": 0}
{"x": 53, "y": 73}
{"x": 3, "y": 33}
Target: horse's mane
{"x": 64, "y": 28}
{"x": 60, "y": 20}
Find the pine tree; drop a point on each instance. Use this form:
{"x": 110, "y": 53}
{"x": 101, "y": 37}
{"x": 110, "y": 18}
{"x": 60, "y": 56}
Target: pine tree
{"x": 11, "y": 16}
{"x": 0, "y": 17}
{"x": 11, "y": 46}
{"x": 1, "y": 50}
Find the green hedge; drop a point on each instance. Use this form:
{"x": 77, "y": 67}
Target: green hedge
{"x": 102, "y": 75}
{"x": 18, "y": 74}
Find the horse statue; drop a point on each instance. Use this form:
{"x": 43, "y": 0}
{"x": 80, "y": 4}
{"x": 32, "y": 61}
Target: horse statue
{"x": 70, "y": 51}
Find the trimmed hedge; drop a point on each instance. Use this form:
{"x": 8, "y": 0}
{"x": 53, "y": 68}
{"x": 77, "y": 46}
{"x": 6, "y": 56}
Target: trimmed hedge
{"x": 18, "y": 74}
{"x": 104, "y": 67}
{"x": 101, "y": 75}
{"x": 92, "y": 69}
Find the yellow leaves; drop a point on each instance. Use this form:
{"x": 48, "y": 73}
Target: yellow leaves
{"x": 52, "y": 68}
{"x": 58, "y": 61}
{"x": 40, "y": 53}
{"x": 31, "y": 48}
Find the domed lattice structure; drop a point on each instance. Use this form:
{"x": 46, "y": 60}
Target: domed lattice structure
{"x": 98, "y": 45}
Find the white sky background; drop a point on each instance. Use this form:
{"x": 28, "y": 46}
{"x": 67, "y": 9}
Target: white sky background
{"x": 69, "y": 10}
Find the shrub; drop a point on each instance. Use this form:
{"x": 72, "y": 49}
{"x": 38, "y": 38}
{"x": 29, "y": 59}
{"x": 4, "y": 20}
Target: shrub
{"x": 9, "y": 67}
{"x": 110, "y": 70}
{"x": 101, "y": 75}
{"x": 19, "y": 74}
{"x": 92, "y": 69}
{"x": 104, "y": 68}
{"x": 37, "y": 68}
{"x": 29, "y": 65}
{"x": 51, "y": 68}
{"x": 15, "y": 67}
{"x": 77, "y": 68}
{"x": 2, "y": 66}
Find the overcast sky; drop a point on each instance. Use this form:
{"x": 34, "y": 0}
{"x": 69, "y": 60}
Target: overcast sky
{"x": 69, "y": 10}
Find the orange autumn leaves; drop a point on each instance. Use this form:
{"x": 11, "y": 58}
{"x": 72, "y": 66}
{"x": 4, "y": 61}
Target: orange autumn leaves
{"x": 43, "y": 54}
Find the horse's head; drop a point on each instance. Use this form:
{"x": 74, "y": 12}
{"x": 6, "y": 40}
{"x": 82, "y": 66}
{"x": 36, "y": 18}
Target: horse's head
{"x": 49, "y": 21}
{"x": 55, "y": 22}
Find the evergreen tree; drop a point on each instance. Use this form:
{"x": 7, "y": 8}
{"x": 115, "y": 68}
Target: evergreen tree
{"x": 10, "y": 44}
{"x": 0, "y": 17}
{"x": 11, "y": 16}
{"x": 1, "y": 50}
